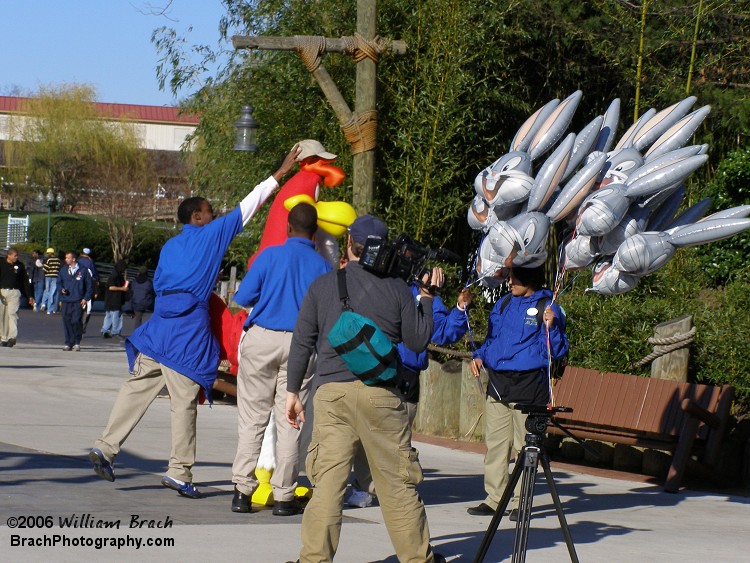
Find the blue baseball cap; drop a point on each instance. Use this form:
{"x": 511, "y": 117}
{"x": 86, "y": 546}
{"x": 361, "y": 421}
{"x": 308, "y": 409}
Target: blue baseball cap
{"x": 367, "y": 226}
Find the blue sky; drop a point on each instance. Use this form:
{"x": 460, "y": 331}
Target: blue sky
{"x": 105, "y": 43}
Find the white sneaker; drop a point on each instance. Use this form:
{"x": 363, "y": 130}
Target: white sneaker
{"x": 360, "y": 499}
{"x": 77, "y": 348}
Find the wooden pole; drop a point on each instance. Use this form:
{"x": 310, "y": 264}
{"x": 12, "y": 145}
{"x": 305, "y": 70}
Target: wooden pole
{"x": 363, "y": 181}
{"x": 363, "y": 176}
{"x": 674, "y": 365}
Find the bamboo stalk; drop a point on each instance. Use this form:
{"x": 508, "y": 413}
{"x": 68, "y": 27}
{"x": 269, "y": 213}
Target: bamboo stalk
{"x": 694, "y": 48}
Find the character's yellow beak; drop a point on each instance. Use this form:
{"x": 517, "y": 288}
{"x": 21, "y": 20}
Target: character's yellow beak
{"x": 333, "y": 216}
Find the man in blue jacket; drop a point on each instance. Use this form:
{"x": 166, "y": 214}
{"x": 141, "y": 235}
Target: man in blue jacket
{"x": 525, "y": 330}
{"x": 175, "y": 346}
{"x": 274, "y": 287}
{"x": 76, "y": 288}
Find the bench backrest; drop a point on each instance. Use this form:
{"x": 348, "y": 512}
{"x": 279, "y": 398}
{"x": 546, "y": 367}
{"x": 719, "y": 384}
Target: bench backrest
{"x": 628, "y": 402}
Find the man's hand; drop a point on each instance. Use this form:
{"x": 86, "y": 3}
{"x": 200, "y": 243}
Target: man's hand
{"x": 295, "y": 413}
{"x": 288, "y": 163}
{"x": 464, "y": 299}
{"x": 31, "y": 301}
{"x": 475, "y": 365}
{"x": 549, "y": 316}
{"x": 432, "y": 281}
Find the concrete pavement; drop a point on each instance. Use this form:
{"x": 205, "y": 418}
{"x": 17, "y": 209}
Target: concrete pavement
{"x": 53, "y": 405}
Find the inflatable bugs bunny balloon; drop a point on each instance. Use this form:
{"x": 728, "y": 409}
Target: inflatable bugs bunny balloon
{"x": 509, "y": 200}
{"x": 619, "y": 203}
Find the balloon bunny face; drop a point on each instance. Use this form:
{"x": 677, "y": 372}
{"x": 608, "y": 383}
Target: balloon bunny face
{"x": 506, "y": 181}
{"x": 619, "y": 165}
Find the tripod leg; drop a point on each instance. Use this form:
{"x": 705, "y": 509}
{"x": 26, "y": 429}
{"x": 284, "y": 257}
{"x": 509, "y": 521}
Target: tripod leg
{"x": 559, "y": 509}
{"x": 530, "y": 464}
{"x": 500, "y": 510}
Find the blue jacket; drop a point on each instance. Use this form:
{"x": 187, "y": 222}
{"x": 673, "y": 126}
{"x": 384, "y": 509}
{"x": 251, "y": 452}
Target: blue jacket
{"x": 449, "y": 326}
{"x": 78, "y": 285}
{"x": 178, "y": 334}
{"x": 516, "y": 341}
{"x": 277, "y": 281}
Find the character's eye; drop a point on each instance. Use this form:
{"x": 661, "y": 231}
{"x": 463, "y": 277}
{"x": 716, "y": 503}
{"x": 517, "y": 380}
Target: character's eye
{"x": 529, "y": 234}
{"x": 511, "y": 164}
{"x": 623, "y": 166}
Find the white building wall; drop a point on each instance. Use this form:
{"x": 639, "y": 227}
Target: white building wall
{"x": 155, "y": 136}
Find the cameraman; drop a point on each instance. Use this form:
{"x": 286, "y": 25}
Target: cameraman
{"x": 350, "y": 415}
{"x": 449, "y": 327}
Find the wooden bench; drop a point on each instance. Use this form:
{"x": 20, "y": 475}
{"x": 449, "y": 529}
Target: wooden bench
{"x": 686, "y": 419}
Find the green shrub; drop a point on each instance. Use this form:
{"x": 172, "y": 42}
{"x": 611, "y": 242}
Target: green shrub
{"x": 730, "y": 187}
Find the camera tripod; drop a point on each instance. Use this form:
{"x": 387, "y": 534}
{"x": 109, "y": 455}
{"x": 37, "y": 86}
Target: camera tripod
{"x": 526, "y": 467}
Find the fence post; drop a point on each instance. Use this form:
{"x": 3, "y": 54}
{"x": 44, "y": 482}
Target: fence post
{"x": 672, "y": 366}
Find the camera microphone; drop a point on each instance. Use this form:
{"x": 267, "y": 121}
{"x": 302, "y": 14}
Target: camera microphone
{"x": 447, "y": 255}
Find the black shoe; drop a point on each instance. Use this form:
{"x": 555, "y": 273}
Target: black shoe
{"x": 481, "y": 510}
{"x": 11, "y": 342}
{"x": 287, "y": 508}
{"x": 437, "y": 557}
{"x": 513, "y": 515}
{"x": 3, "y": 343}
{"x": 241, "y": 502}
{"x": 106, "y": 335}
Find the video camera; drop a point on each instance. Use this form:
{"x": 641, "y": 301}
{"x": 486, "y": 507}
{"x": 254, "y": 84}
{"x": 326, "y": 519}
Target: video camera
{"x": 401, "y": 258}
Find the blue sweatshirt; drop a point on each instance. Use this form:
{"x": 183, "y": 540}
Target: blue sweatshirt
{"x": 516, "y": 341}
{"x": 449, "y": 326}
{"x": 178, "y": 334}
{"x": 77, "y": 283}
{"x": 277, "y": 281}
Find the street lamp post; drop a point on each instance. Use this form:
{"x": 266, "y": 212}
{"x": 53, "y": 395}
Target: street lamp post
{"x": 51, "y": 201}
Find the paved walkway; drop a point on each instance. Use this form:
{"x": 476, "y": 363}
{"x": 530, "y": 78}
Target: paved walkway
{"x": 53, "y": 405}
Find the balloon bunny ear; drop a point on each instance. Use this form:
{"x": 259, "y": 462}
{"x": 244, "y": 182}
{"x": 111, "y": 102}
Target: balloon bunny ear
{"x": 626, "y": 141}
{"x": 672, "y": 170}
{"x": 661, "y": 122}
{"x": 664, "y": 213}
{"x": 691, "y": 214}
{"x": 550, "y": 174}
{"x": 583, "y": 144}
{"x": 738, "y": 212}
{"x": 555, "y": 125}
{"x": 677, "y": 135}
{"x": 531, "y": 126}
{"x": 609, "y": 127}
{"x": 708, "y": 230}
{"x": 576, "y": 190}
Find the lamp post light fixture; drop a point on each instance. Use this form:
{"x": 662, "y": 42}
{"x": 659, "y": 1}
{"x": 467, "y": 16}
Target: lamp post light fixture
{"x": 247, "y": 129}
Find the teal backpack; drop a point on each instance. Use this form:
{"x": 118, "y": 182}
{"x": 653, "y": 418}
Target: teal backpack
{"x": 366, "y": 350}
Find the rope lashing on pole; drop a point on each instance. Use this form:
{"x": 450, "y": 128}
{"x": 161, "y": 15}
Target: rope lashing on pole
{"x": 670, "y": 343}
{"x": 361, "y": 131}
{"x": 360, "y": 48}
{"x": 310, "y": 49}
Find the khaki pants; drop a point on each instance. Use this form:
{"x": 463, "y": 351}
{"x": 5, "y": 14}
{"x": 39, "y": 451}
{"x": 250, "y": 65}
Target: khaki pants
{"x": 9, "y": 304}
{"x": 504, "y": 431}
{"x": 261, "y": 391}
{"x": 138, "y": 392}
{"x": 361, "y": 469}
{"x": 348, "y": 415}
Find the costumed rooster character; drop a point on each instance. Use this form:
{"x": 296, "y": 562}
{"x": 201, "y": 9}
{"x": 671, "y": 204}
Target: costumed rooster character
{"x": 333, "y": 219}
{"x": 315, "y": 167}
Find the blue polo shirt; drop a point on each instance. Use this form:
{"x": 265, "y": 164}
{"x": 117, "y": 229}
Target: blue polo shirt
{"x": 277, "y": 281}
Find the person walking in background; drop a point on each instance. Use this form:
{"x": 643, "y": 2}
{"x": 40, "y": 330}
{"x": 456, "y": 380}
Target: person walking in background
{"x": 36, "y": 275}
{"x": 87, "y": 263}
{"x": 76, "y": 288}
{"x": 51, "y": 268}
{"x": 141, "y": 296}
{"x": 13, "y": 283}
{"x": 114, "y": 297}
{"x": 175, "y": 347}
